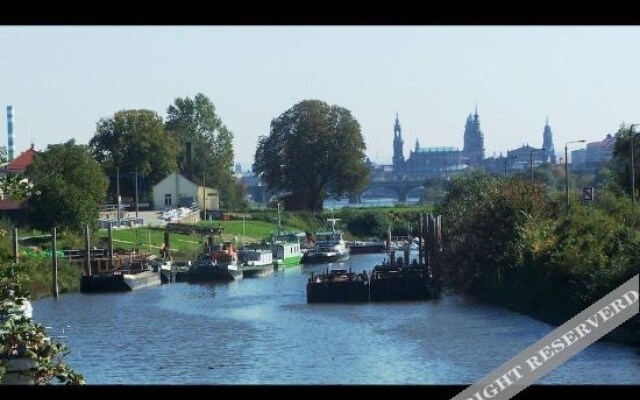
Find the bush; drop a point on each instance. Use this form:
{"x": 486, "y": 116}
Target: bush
{"x": 22, "y": 338}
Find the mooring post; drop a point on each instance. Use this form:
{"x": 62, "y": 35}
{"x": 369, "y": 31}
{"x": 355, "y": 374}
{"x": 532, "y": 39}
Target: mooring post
{"x": 438, "y": 249}
{"x": 428, "y": 256}
{"x": 87, "y": 250}
{"x": 432, "y": 252}
{"x": 420, "y": 234}
{"x": 54, "y": 258}
{"x": 166, "y": 239}
{"x": 15, "y": 245}
{"x": 110, "y": 246}
{"x": 389, "y": 239}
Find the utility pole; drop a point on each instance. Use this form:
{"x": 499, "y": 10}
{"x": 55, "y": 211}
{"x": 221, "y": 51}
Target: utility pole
{"x": 633, "y": 171}
{"x": 54, "y": 261}
{"x": 566, "y": 169}
{"x": 137, "y": 193}
{"x": 118, "y": 192}
{"x": 279, "y": 220}
{"x": 204, "y": 192}
{"x": 531, "y": 162}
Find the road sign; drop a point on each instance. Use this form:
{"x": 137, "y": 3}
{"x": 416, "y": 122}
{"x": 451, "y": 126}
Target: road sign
{"x": 587, "y": 193}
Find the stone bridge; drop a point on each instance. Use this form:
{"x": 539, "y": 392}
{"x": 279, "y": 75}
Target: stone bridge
{"x": 401, "y": 187}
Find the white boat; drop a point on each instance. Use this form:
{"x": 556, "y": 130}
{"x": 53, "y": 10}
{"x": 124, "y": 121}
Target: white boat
{"x": 255, "y": 261}
{"x": 329, "y": 247}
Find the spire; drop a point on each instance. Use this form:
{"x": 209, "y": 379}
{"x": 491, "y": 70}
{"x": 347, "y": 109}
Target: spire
{"x": 397, "y": 130}
{"x": 417, "y": 145}
{"x": 547, "y": 143}
{"x": 398, "y": 143}
{"x": 476, "y": 114}
{"x": 547, "y": 123}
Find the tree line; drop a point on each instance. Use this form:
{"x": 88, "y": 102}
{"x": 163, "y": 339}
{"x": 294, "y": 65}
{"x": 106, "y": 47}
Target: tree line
{"x": 66, "y": 183}
{"x": 313, "y": 151}
{"x": 517, "y": 244}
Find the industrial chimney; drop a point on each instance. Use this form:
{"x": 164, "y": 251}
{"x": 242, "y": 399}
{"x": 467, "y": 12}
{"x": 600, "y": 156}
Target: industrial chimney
{"x": 188, "y": 161}
{"x": 10, "y": 145}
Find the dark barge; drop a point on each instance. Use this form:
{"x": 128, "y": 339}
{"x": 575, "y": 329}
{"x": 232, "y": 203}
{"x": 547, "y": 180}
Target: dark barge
{"x": 357, "y": 247}
{"x": 399, "y": 280}
{"x": 338, "y": 286}
{"x": 133, "y": 276}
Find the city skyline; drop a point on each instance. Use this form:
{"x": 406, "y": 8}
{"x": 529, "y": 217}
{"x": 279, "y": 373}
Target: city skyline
{"x": 62, "y": 80}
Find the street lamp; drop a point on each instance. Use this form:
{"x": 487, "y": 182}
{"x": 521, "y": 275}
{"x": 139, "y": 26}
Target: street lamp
{"x": 505, "y": 165}
{"x": 566, "y": 168}
{"x": 531, "y": 162}
{"x": 633, "y": 171}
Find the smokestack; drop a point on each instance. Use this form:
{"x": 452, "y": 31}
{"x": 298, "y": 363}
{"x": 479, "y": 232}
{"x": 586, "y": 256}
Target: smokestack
{"x": 10, "y": 145}
{"x": 188, "y": 161}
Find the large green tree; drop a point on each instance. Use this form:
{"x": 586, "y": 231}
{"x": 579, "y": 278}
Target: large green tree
{"x": 68, "y": 187}
{"x": 130, "y": 140}
{"x": 313, "y": 150}
{"x": 621, "y": 161}
{"x": 195, "y": 121}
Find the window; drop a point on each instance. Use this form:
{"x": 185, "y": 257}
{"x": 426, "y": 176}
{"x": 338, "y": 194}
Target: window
{"x": 167, "y": 199}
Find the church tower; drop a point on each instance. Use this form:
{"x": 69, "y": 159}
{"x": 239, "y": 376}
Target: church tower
{"x": 398, "y": 144}
{"x": 473, "y": 150}
{"x": 547, "y": 144}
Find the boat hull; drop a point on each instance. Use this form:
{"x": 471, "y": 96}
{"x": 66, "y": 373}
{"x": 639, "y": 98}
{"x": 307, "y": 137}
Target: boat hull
{"x": 400, "y": 284}
{"x": 118, "y": 282}
{"x": 255, "y": 271}
{"x": 213, "y": 273}
{"x": 338, "y": 286}
{"x": 367, "y": 248}
{"x": 295, "y": 260}
{"x": 321, "y": 258}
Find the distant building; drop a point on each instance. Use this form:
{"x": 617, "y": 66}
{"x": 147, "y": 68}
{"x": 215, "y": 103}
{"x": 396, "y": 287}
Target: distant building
{"x": 547, "y": 144}
{"x": 594, "y": 156}
{"x": 578, "y": 157}
{"x": 519, "y": 159}
{"x": 601, "y": 152}
{"x": 256, "y": 190}
{"x": 9, "y": 208}
{"x": 422, "y": 161}
{"x": 523, "y": 155}
{"x": 19, "y": 164}
{"x": 398, "y": 148}
{"x": 177, "y": 191}
{"x": 473, "y": 150}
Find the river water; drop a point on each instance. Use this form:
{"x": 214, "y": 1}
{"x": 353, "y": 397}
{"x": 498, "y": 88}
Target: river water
{"x": 261, "y": 330}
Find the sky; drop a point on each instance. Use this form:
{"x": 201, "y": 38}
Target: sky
{"x": 61, "y": 80}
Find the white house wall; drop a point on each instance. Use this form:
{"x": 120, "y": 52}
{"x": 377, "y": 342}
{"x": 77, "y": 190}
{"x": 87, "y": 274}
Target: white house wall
{"x": 212, "y": 198}
{"x": 175, "y": 185}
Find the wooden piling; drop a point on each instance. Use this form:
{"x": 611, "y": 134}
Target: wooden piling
{"x": 438, "y": 251}
{"x": 15, "y": 245}
{"x": 166, "y": 239}
{"x": 420, "y": 235}
{"x": 110, "y": 255}
{"x": 87, "y": 250}
{"x": 54, "y": 258}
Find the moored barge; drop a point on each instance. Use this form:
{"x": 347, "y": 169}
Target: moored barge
{"x": 338, "y": 286}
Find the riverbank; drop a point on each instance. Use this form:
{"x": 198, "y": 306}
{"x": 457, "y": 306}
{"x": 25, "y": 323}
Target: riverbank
{"x": 627, "y": 333}
{"x": 38, "y": 277}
